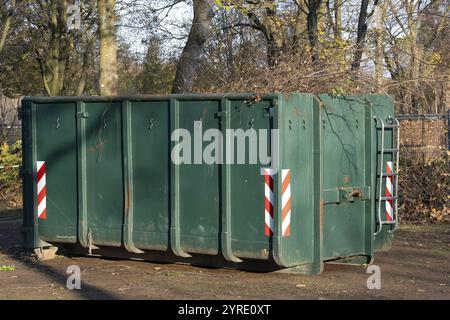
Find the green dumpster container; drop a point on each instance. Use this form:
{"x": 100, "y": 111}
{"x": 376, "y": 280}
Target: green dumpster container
{"x": 116, "y": 177}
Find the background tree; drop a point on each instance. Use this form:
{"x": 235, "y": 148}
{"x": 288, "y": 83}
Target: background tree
{"x": 7, "y": 13}
{"x": 108, "y": 47}
{"x": 189, "y": 62}
{"x": 53, "y": 60}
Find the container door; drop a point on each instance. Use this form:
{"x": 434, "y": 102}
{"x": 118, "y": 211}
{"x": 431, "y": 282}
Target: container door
{"x": 247, "y": 185}
{"x": 104, "y": 174}
{"x": 196, "y": 197}
{"x": 55, "y": 171}
{"x": 149, "y": 166}
{"x": 347, "y": 179}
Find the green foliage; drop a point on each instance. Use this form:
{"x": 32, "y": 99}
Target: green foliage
{"x": 223, "y": 5}
{"x": 7, "y": 268}
{"x": 9, "y": 177}
{"x": 157, "y": 73}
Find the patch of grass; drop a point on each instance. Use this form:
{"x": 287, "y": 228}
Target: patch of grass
{"x": 442, "y": 228}
{"x": 7, "y": 267}
{"x": 173, "y": 273}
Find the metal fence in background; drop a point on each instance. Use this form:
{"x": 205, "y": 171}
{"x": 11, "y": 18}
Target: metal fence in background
{"x": 10, "y": 126}
{"x": 425, "y": 136}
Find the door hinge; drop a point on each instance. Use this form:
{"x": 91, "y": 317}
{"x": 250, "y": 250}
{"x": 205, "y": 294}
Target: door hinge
{"x": 82, "y": 114}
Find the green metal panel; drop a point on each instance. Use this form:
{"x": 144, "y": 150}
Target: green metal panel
{"x": 346, "y": 124}
{"x": 298, "y": 120}
{"x": 149, "y": 141}
{"x": 104, "y": 173}
{"x": 111, "y": 181}
{"x": 246, "y": 188}
{"x": 199, "y": 202}
{"x": 56, "y": 140}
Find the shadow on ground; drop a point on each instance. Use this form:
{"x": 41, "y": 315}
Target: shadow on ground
{"x": 12, "y": 253}
{"x": 417, "y": 267}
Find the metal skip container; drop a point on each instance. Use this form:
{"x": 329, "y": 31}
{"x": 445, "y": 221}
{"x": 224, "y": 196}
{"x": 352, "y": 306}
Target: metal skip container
{"x": 259, "y": 182}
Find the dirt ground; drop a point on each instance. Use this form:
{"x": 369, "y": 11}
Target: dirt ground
{"x": 417, "y": 267}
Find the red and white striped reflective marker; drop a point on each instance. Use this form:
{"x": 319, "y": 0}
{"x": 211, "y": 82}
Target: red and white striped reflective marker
{"x": 286, "y": 203}
{"x": 41, "y": 190}
{"x": 389, "y": 192}
{"x": 268, "y": 202}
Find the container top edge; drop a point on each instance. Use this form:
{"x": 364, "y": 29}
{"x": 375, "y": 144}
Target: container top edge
{"x": 197, "y": 96}
{"x": 191, "y": 96}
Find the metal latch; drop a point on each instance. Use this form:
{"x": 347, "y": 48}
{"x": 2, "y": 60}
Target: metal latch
{"x": 355, "y": 193}
{"x": 346, "y": 194}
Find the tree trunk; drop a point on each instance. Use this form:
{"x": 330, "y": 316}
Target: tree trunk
{"x": 338, "y": 19}
{"x": 189, "y": 62}
{"x": 415, "y": 50}
{"x": 322, "y": 16}
{"x": 83, "y": 73}
{"x": 312, "y": 26}
{"x": 299, "y": 27}
{"x": 379, "y": 45}
{"x": 88, "y": 44}
{"x": 271, "y": 27}
{"x": 108, "y": 48}
{"x": 53, "y": 65}
{"x": 7, "y": 25}
{"x": 276, "y": 42}
{"x": 361, "y": 35}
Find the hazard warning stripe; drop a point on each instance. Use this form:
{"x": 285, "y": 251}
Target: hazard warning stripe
{"x": 41, "y": 190}
{"x": 389, "y": 192}
{"x": 286, "y": 202}
{"x": 268, "y": 202}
